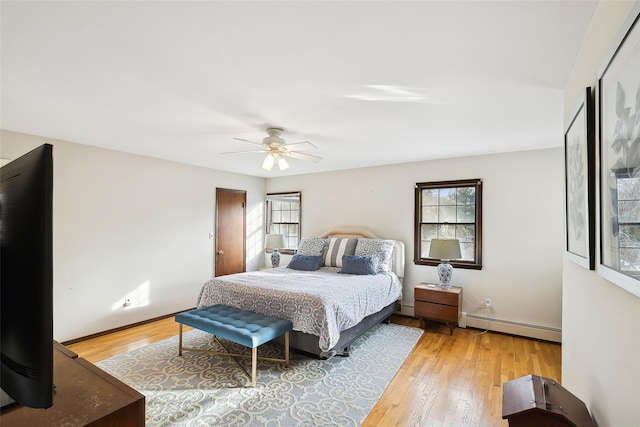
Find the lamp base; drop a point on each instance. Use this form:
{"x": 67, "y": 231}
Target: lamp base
{"x": 275, "y": 258}
{"x": 445, "y": 273}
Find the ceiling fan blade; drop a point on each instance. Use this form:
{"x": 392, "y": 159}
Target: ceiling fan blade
{"x": 303, "y": 145}
{"x": 250, "y": 142}
{"x": 248, "y": 151}
{"x": 302, "y": 156}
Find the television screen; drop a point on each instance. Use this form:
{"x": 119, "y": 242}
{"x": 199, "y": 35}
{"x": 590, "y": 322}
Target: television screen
{"x": 26, "y": 278}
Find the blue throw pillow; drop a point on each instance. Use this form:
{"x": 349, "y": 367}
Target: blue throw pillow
{"x": 305, "y": 262}
{"x": 353, "y": 264}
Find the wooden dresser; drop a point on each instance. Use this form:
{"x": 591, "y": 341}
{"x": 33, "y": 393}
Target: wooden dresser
{"x": 435, "y": 303}
{"x": 84, "y": 396}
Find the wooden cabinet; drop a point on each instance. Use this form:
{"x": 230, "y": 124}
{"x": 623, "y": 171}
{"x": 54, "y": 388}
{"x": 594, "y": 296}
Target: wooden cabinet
{"x": 435, "y": 303}
{"x": 84, "y": 396}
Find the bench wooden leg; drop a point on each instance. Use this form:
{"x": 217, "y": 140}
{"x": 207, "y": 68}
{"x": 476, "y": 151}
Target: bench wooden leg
{"x": 180, "y": 341}
{"x": 254, "y": 364}
{"x": 286, "y": 349}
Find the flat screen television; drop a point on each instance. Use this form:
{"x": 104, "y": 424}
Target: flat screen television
{"x": 26, "y": 273}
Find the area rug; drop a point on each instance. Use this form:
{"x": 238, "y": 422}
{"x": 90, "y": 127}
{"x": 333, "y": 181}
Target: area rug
{"x": 200, "y": 389}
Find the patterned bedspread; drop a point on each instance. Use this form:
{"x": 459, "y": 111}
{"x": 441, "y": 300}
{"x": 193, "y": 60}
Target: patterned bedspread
{"x": 322, "y": 302}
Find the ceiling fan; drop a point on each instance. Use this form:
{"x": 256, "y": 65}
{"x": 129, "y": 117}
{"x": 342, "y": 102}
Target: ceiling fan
{"x": 277, "y": 149}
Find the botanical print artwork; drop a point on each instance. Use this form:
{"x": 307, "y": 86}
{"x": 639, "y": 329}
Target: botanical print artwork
{"x": 622, "y": 131}
{"x": 626, "y": 133}
{"x": 620, "y": 163}
{"x": 576, "y": 164}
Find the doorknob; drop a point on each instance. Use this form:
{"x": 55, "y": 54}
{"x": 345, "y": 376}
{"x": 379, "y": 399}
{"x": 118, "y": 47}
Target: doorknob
{"x": 220, "y": 252}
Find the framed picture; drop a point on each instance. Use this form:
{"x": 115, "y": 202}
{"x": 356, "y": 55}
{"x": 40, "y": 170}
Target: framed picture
{"x": 619, "y": 96}
{"x": 579, "y": 158}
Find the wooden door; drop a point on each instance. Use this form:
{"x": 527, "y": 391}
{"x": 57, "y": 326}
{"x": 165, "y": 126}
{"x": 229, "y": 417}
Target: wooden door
{"x": 230, "y": 231}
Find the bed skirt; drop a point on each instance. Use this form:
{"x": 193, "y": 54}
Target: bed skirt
{"x": 308, "y": 344}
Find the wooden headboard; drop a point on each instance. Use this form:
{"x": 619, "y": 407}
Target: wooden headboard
{"x": 397, "y": 258}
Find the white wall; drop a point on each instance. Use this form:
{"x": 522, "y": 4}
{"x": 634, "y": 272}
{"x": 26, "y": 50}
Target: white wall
{"x": 132, "y": 226}
{"x": 522, "y": 228}
{"x": 601, "y": 322}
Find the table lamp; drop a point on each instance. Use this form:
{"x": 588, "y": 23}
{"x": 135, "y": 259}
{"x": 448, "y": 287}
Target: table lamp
{"x": 445, "y": 250}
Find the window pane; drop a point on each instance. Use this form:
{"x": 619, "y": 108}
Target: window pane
{"x": 467, "y": 250}
{"x": 430, "y": 214}
{"x": 447, "y": 214}
{"x": 466, "y": 214}
{"x": 447, "y": 231}
{"x": 424, "y": 248}
{"x": 447, "y": 196}
{"x": 429, "y": 231}
{"x": 466, "y": 233}
{"x": 429, "y": 197}
{"x": 466, "y": 196}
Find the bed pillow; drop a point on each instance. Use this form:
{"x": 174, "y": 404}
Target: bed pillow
{"x": 311, "y": 246}
{"x": 353, "y": 264}
{"x": 305, "y": 262}
{"x": 377, "y": 247}
{"x": 338, "y": 247}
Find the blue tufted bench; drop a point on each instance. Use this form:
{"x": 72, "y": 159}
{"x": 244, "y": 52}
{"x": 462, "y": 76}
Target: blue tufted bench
{"x": 242, "y": 327}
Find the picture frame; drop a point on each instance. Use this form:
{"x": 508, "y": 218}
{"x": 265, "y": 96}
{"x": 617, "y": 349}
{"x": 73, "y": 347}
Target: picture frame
{"x": 580, "y": 173}
{"x": 619, "y": 137}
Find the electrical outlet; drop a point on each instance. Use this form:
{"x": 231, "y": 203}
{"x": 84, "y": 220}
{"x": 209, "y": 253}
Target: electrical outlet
{"x": 487, "y": 302}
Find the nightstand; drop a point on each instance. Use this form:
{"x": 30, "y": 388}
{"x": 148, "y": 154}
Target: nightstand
{"x": 435, "y": 303}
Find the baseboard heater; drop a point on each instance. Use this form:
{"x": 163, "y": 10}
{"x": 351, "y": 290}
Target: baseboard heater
{"x": 546, "y": 333}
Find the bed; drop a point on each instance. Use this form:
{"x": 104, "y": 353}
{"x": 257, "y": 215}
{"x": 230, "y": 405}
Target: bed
{"x": 331, "y": 305}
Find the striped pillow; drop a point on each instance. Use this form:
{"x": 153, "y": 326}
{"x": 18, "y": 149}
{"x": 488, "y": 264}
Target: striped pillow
{"x": 338, "y": 247}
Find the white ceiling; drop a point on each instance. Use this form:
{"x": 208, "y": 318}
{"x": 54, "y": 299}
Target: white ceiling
{"x": 368, "y": 83}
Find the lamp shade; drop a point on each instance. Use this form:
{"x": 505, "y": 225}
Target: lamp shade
{"x": 445, "y": 249}
{"x": 268, "y": 162}
{"x": 274, "y": 241}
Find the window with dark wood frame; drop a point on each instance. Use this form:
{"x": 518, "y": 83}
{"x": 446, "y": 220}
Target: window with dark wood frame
{"x": 449, "y": 210}
{"x": 283, "y": 213}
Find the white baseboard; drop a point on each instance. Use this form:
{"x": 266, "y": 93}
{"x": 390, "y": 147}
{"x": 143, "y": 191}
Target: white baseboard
{"x": 502, "y": 325}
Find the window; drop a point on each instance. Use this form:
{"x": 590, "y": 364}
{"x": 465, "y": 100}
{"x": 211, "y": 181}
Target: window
{"x": 283, "y": 217}
{"x": 449, "y": 210}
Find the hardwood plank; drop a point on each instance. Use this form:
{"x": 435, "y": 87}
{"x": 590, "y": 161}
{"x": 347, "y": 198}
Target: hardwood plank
{"x": 446, "y": 380}
{"x": 106, "y": 346}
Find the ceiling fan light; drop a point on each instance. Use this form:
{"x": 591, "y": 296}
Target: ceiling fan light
{"x": 268, "y": 162}
{"x": 282, "y": 163}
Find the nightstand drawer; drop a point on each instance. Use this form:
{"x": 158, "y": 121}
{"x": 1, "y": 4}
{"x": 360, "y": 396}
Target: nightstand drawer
{"x": 446, "y": 313}
{"x": 436, "y": 295}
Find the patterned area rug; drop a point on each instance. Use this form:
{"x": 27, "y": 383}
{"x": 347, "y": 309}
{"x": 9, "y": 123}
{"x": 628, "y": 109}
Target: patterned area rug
{"x": 200, "y": 389}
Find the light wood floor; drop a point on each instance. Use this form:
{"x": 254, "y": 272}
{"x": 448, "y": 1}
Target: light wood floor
{"x": 446, "y": 380}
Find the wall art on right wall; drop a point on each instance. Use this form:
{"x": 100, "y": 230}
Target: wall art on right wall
{"x": 579, "y": 175}
{"x": 619, "y": 96}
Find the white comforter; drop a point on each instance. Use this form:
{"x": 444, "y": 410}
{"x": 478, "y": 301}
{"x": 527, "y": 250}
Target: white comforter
{"x": 322, "y": 302}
